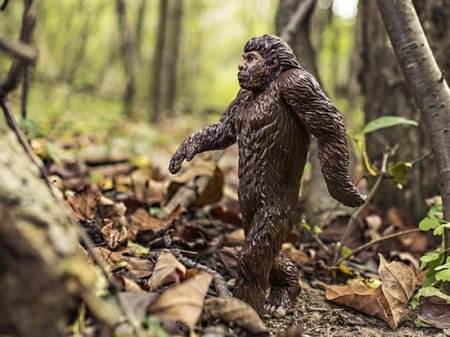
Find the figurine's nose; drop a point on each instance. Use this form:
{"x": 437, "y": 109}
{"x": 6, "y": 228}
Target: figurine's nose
{"x": 242, "y": 66}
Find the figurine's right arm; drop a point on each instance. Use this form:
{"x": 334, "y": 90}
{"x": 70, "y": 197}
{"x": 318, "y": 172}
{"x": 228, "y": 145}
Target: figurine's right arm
{"x": 214, "y": 137}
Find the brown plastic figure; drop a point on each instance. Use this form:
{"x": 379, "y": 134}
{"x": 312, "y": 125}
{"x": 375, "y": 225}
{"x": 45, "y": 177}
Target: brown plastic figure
{"x": 272, "y": 118}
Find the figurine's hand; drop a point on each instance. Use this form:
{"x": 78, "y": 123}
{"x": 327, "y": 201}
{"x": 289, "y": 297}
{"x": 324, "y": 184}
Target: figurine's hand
{"x": 184, "y": 152}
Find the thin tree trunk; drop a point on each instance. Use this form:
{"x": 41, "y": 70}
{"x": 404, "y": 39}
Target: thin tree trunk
{"x": 320, "y": 207}
{"x": 158, "y": 61}
{"x": 139, "y": 29}
{"x": 129, "y": 56}
{"x": 426, "y": 82}
{"x": 173, "y": 48}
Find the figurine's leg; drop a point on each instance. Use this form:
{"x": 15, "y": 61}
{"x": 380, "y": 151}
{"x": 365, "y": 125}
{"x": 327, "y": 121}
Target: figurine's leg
{"x": 284, "y": 287}
{"x": 262, "y": 243}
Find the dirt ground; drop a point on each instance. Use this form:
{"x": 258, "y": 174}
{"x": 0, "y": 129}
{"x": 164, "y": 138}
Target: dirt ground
{"x": 320, "y": 318}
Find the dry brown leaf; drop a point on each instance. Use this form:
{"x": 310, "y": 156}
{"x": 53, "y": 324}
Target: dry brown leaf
{"x": 398, "y": 284}
{"x": 114, "y": 235}
{"x": 435, "y": 311}
{"x": 234, "y": 238}
{"x": 361, "y": 298}
{"x": 84, "y": 204}
{"x": 167, "y": 269}
{"x": 184, "y": 302}
{"x": 233, "y": 310}
{"x": 127, "y": 284}
{"x": 299, "y": 258}
{"x": 388, "y": 302}
{"x": 141, "y": 220}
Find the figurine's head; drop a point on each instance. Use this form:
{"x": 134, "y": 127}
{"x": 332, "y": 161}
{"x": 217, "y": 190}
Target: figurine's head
{"x": 265, "y": 58}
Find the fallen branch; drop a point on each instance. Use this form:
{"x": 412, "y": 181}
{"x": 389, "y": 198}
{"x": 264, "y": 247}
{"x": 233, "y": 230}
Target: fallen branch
{"x": 376, "y": 241}
{"x": 219, "y": 282}
{"x": 18, "y": 49}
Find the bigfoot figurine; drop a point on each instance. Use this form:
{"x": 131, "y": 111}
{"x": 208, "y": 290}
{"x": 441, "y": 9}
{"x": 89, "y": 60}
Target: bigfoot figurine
{"x": 272, "y": 118}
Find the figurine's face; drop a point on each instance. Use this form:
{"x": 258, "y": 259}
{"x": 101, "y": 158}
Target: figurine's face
{"x": 254, "y": 73}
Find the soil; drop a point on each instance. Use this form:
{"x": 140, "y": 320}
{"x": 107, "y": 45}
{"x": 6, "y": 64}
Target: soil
{"x": 320, "y": 318}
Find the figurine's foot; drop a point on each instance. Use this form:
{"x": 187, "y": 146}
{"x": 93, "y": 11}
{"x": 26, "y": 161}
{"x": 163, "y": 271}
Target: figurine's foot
{"x": 280, "y": 300}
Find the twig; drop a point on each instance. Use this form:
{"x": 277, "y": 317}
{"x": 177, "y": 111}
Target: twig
{"x": 219, "y": 282}
{"x": 316, "y": 238}
{"x": 359, "y": 211}
{"x": 18, "y": 49}
{"x": 374, "y": 242}
{"x": 296, "y": 19}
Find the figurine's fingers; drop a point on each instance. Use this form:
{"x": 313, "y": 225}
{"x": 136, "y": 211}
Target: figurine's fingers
{"x": 175, "y": 163}
{"x": 190, "y": 153}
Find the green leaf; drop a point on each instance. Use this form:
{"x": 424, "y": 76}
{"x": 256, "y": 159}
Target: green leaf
{"x": 439, "y": 230}
{"x": 399, "y": 173}
{"x": 443, "y": 266}
{"x": 432, "y": 291}
{"x": 428, "y": 257}
{"x": 346, "y": 251}
{"x": 306, "y": 226}
{"x": 443, "y": 275}
{"x": 317, "y": 230}
{"x": 429, "y": 223}
{"x": 431, "y": 275}
{"x": 386, "y": 122}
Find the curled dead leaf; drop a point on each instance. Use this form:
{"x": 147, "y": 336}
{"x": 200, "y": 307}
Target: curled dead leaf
{"x": 114, "y": 235}
{"x": 84, "y": 204}
{"x": 388, "y": 302}
{"x": 362, "y": 298}
{"x": 184, "y": 302}
{"x": 233, "y": 310}
{"x": 398, "y": 284}
{"x": 167, "y": 269}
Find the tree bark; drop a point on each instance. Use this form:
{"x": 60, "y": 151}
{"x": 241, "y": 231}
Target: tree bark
{"x": 129, "y": 56}
{"x": 293, "y": 22}
{"x": 158, "y": 62}
{"x": 42, "y": 274}
{"x": 426, "y": 83}
{"x": 166, "y": 58}
{"x": 386, "y": 93}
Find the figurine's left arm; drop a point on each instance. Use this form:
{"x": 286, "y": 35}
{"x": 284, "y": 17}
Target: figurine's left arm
{"x": 321, "y": 118}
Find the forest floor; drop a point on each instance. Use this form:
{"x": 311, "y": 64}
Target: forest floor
{"x": 318, "y": 317}
{"x": 123, "y": 200}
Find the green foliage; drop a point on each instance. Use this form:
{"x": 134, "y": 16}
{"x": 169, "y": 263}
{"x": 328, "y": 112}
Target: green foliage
{"x": 386, "y": 122}
{"x": 399, "y": 173}
{"x": 438, "y": 266}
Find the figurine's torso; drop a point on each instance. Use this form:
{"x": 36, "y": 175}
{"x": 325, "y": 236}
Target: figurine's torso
{"x": 273, "y": 146}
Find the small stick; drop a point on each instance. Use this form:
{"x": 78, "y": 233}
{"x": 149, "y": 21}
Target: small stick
{"x": 374, "y": 242}
{"x": 219, "y": 282}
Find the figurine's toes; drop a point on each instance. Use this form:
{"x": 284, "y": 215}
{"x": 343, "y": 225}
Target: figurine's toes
{"x": 278, "y": 302}
{"x": 274, "y": 311}
{"x": 279, "y": 312}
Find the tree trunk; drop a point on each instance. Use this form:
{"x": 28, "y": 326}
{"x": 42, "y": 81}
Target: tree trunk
{"x": 386, "y": 93}
{"x": 42, "y": 274}
{"x": 129, "y": 56}
{"x": 158, "y": 62}
{"x": 166, "y": 58}
{"x": 426, "y": 83}
{"x": 173, "y": 48}
{"x": 320, "y": 207}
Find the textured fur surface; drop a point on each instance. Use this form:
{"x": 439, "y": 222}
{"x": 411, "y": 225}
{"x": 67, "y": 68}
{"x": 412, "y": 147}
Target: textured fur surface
{"x": 272, "y": 124}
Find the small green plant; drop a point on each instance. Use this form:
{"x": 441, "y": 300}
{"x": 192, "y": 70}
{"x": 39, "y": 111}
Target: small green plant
{"x": 438, "y": 275}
